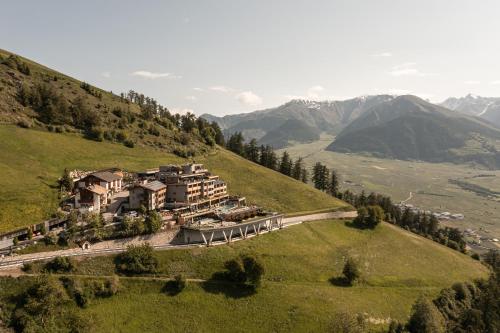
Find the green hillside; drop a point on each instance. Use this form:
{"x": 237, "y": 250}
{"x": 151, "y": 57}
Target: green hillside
{"x": 32, "y": 160}
{"x": 33, "y": 95}
{"x": 296, "y": 295}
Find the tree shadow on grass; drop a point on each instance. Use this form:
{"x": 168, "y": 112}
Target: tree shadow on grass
{"x": 171, "y": 288}
{"x": 339, "y": 281}
{"x": 354, "y": 225}
{"x": 219, "y": 283}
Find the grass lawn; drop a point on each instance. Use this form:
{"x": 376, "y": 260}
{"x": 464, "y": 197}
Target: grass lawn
{"x": 31, "y": 161}
{"x": 296, "y": 295}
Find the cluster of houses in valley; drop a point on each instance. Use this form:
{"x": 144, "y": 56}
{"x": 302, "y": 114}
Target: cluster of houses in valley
{"x": 439, "y": 215}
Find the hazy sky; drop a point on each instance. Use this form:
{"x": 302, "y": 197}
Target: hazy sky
{"x": 234, "y": 56}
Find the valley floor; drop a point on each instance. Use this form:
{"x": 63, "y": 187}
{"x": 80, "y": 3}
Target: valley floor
{"x": 433, "y": 186}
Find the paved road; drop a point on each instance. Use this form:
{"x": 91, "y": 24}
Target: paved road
{"x": 159, "y": 241}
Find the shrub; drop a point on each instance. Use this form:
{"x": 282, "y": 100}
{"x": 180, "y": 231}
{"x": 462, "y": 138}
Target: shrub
{"x": 118, "y": 112}
{"x": 153, "y": 222}
{"x": 346, "y": 322}
{"x": 129, "y": 143}
{"x": 95, "y": 134}
{"x": 50, "y": 239}
{"x": 176, "y": 285}
{"x": 369, "y": 217}
{"x": 27, "y": 267}
{"x": 60, "y": 265}
{"x": 121, "y": 136}
{"x": 24, "y": 124}
{"x": 138, "y": 259}
{"x": 351, "y": 271}
{"x": 425, "y": 317}
{"x": 246, "y": 270}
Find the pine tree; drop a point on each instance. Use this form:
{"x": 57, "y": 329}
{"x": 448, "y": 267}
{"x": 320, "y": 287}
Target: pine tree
{"x": 320, "y": 176}
{"x": 333, "y": 187}
{"x": 286, "y": 164}
{"x": 66, "y": 182}
{"x": 252, "y": 151}
{"x": 297, "y": 169}
{"x": 304, "y": 175}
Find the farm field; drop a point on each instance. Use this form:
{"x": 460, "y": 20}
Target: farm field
{"x": 433, "y": 185}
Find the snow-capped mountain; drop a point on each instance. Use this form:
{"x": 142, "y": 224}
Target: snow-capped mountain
{"x": 318, "y": 116}
{"x": 485, "y": 107}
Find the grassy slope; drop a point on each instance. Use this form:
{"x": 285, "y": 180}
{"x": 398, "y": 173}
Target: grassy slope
{"x": 397, "y": 267}
{"x": 31, "y": 161}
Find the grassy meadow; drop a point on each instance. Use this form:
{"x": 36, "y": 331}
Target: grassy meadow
{"x": 31, "y": 162}
{"x": 296, "y": 294}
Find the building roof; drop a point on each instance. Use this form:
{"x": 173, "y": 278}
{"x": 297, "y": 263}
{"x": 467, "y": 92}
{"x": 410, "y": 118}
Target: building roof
{"x": 106, "y": 176}
{"x": 154, "y": 186}
{"x": 97, "y": 189}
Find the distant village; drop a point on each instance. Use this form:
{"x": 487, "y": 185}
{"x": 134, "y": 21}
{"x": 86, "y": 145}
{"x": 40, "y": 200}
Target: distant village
{"x": 475, "y": 238}
{"x": 442, "y": 216}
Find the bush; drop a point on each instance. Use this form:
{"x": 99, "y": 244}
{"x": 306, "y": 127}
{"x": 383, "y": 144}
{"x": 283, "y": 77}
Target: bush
{"x": 425, "y": 317}
{"x": 50, "y": 239}
{"x": 346, "y": 322}
{"x": 95, "y": 134}
{"x": 82, "y": 292}
{"x": 369, "y": 217}
{"x": 24, "y": 124}
{"x": 176, "y": 285}
{"x": 247, "y": 270}
{"x": 27, "y": 267}
{"x": 351, "y": 271}
{"x": 129, "y": 143}
{"x": 121, "y": 136}
{"x": 60, "y": 265}
{"x": 153, "y": 222}
{"x": 138, "y": 259}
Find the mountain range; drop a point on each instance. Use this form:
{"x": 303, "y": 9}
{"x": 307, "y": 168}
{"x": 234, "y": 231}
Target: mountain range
{"x": 268, "y": 125}
{"x": 485, "y": 107}
{"x": 459, "y": 130}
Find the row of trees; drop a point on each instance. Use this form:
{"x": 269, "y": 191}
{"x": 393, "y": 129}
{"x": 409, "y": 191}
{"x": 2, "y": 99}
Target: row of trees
{"x": 418, "y": 222}
{"x": 189, "y": 123}
{"x": 46, "y": 306}
{"x": 267, "y": 157}
{"x": 53, "y": 108}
